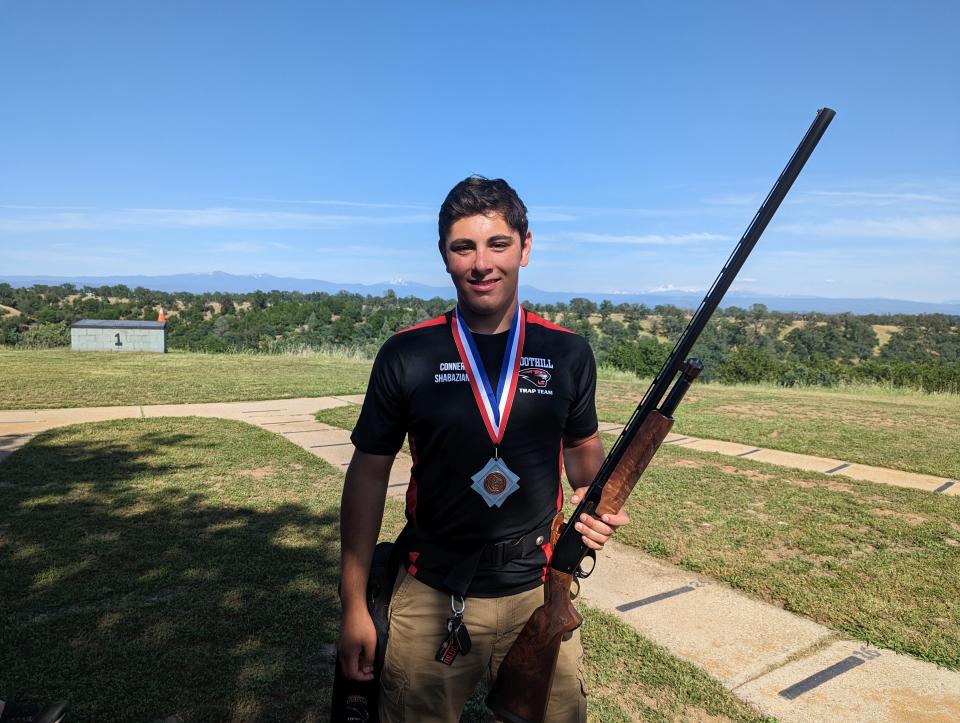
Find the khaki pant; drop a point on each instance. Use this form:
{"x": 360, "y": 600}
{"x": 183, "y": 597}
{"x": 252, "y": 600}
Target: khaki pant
{"x": 415, "y": 687}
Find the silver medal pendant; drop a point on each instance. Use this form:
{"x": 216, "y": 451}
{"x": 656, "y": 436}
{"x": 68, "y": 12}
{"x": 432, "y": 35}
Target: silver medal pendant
{"x": 495, "y": 482}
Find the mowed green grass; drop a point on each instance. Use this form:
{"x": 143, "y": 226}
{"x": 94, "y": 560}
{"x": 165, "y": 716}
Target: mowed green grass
{"x": 184, "y": 566}
{"x": 59, "y": 378}
{"x": 876, "y": 562}
{"x": 886, "y": 428}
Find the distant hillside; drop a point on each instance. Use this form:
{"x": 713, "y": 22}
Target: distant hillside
{"x": 219, "y": 281}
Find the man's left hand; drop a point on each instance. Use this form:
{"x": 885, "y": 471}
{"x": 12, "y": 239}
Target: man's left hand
{"x": 594, "y": 532}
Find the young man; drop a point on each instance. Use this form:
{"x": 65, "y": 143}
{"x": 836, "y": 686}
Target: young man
{"x": 495, "y": 401}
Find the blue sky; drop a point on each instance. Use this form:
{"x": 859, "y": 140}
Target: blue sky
{"x": 318, "y": 139}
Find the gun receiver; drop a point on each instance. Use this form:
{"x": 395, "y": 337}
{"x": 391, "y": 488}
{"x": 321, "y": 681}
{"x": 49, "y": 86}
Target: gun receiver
{"x": 522, "y": 689}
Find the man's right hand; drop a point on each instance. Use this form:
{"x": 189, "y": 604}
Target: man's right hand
{"x": 358, "y": 644}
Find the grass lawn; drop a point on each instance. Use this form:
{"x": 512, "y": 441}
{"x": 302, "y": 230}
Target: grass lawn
{"x": 876, "y": 562}
{"x": 154, "y": 567}
{"x": 887, "y": 428}
{"x": 59, "y": 378}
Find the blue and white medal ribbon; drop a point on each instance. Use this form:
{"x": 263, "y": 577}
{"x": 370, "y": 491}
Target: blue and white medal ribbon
{"x": 495, "y": 482}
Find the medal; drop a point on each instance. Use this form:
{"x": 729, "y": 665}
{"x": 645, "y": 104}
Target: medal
{"x": 495, "y": 481}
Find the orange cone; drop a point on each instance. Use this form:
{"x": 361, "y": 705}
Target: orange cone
{"x": 160, "y": 317}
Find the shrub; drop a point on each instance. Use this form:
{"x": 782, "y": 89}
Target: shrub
{"x": 748, "y": 365}
{"x": 45, "y": 336}
{"x": 644, "y": 358}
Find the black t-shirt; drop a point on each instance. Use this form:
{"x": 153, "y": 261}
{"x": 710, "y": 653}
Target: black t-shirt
{"x": 419, "y": 388}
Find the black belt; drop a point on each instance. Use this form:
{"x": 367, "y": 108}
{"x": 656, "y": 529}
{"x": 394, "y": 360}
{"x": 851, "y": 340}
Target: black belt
{"x": 458, "y": 579}
{"x": 501, "y": 552}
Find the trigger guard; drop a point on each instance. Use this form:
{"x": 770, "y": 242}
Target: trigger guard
{"x": 579, "y": 573}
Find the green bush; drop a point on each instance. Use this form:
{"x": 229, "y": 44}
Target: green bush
{"x": 644, "y": 358}
{"x": 809, "y": 375}
{"x": 45, "y": 336}
{"x": 748, "y": 365}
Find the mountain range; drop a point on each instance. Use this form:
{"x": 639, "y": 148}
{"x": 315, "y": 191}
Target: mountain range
{"x": 231, "y": 283}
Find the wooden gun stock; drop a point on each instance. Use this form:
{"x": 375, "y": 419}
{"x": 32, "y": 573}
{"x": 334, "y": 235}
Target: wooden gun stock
{"x": 525, "y": 676}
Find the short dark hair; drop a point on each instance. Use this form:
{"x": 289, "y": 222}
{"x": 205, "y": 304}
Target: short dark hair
{"x": 477, "y": 195}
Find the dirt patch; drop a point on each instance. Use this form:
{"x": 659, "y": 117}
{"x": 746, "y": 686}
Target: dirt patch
{"x": 830, "y": 485}
{"x": 262, "y": 472}
{"x": 805, "y": 483}
{"x": 844, "y": 527}
{"x": 750, "y": 474}
{"x": 696, "y": 714}
{"x": 836, "y": 487}
{"x": 748, "y": 410}
{"x": 780, "y": 552}
{"x": 758, "y": 514}
{"x": 910, "y": 518}
{"x": 687, "y": 463}
{"x": 4, "y": 310}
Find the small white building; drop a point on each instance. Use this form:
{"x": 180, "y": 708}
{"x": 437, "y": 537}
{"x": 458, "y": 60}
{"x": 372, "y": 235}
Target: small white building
{"x": 106, "y": 335}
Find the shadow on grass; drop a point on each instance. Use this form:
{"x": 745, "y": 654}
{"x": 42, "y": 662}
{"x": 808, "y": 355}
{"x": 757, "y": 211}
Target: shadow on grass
{"x": 139, "y": 586}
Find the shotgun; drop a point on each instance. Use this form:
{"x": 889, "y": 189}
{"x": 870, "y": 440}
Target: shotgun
{"x": 522, "y": 688}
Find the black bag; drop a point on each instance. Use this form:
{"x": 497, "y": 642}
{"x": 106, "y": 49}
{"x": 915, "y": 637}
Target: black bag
{"x": 354, "y": 701}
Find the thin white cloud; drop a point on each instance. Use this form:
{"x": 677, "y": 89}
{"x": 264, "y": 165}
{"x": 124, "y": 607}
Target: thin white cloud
{"x": 611, "y": 212}
{"x": 335, "y": 202}
{"x": 541, "y": 215}
{"x": 918, "y": 228}
{"x": 735, "y": 199}
{"x": 247, "y": 247}
{"x": 22, "y": 207}
{"x": 232, "y": 218}
{"x": 650, "y": 239}
{"x": 671, "y": 287}
{"x": 881, "y": 197}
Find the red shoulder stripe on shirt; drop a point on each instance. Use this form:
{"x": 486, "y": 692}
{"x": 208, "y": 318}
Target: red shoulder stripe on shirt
{"x": 436, "y": 321}
{"x": 534, "y": 319}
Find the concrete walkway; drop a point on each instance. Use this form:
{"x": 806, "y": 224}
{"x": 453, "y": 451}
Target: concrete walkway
{"x": 293, "y": 418}
{"x": 784, "y": 664}
{"x": 811, "y": 463}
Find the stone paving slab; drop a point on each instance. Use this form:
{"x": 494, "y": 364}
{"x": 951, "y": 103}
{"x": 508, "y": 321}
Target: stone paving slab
{"x": 852, "y": 681}
{"x": 798, "y": 461}
{"x": 728, "y": 634}
{"x": 37, "y": 420}
{"x": 731, "y": 449}
{"x": 301, "y": 407}
{"x": 896, "y": 477}
{"x": 324, "y": 438}
{"x": 351, "y": 398}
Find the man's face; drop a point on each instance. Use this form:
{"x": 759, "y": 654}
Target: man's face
{"x": 483, "y": 256}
